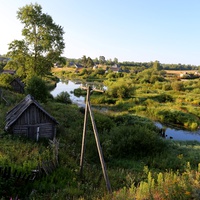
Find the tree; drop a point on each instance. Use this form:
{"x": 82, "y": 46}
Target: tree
{"x": 115, "y": 60}
{"x": 102, "y": 59}
{"x": 42, "y": 42}
{"x": 84, "y": 61}
{"x": 87, "y": 62}
{"x": 90, "y": 62}
{"x": 157, "y": 66}
{"x": 37, "y": 88}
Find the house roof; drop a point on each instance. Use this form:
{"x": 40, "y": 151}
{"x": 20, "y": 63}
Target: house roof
{"x": 18, "y": 81}
{"x": 19, "y": 109}
{"x": 12, "y": 72}
{"x": 79, "y": 66}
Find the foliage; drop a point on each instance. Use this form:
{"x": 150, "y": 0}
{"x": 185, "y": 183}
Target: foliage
{"x": 37, "y": 88}
{"x": 42, "y": 44}
{"x": 150, "y": 75}
{"x": 160, "y": 156}
{"x": 5, "y": 80}
{"x": 87, "y": 62}
{"x": 177, "y": 86}
{"x": 120, "y": 89}
{"x": 166, "y": 185}
{"x": 63, "y": 97}
{"x": 137, "y": 140}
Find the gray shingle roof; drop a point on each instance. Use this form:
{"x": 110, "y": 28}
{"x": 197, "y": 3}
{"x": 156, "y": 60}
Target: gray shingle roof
{"x": 19, "y": 109}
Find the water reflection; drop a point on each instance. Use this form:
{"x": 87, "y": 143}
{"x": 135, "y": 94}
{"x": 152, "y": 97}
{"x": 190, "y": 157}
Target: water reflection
{"x": 69, "y": 86}
{"x": 177, "y": 134}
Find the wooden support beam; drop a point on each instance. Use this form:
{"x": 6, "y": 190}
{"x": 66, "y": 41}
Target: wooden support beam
{"x": 103, "y": 165}
{"x": 84, "y": 130}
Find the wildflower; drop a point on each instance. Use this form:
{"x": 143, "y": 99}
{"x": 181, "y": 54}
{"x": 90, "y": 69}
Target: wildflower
{"x": 187, "y": 193}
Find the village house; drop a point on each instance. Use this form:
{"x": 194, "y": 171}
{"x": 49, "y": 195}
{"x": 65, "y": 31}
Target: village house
{"x": 78, "y": 66}
{"x": 9, "y": 71}
{"x": 29, "y": 119}
{"x": 17, "y": 85}
{"x": 115, "y": 68}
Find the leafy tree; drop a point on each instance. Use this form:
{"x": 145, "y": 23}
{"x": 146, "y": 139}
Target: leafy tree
{"x": 37, "y": 88}
{"x": 90, "y": 62}
{"x": 87, "y": 62}
{"x": 5, "y": 80}
{"x": 84, "y": 61}
{"x": 102, "y": 59}
{"x": 42, "y": 42}
{"x": 115, "y": 60}
{"x": 157, "y": 66}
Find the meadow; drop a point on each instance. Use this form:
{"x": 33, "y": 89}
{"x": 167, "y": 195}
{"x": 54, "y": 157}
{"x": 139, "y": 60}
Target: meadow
{"x": 140, "y": 163}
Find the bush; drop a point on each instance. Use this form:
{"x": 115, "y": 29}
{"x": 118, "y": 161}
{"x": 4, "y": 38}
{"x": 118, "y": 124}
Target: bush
{"x": 63, "y": 97}
{"x": 137, "y": 140}
{"x": 37, "y": 88}
{"x": 121, "y": 89}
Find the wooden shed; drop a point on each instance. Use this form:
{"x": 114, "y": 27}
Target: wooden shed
{"x": 28, "y": 118}
{"x": 17, "y": 85}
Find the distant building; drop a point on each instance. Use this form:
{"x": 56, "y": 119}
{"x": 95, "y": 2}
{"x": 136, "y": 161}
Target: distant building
{"x": 78, "y": 66}
{"x": 29, "y": 119}
{"x": 17, "y": 85}
{"x": 12, "y": 72}
{"x": 116, "y": 68}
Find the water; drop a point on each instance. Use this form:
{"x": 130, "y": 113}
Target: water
{"x": 178, "y": 134}
{"x": 175, "y": 134}
{"x": 69, "y": 86}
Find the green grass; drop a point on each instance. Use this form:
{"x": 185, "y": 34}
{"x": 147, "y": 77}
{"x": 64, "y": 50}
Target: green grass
{"x": 125, "y": 171}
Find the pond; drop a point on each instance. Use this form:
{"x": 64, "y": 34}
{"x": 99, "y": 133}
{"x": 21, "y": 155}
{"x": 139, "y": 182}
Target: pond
{"x": 69, "y": 86}
{"x": 171, "y": 133}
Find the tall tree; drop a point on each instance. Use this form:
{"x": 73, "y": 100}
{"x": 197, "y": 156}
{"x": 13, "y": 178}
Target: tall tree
{"x": 90, "y": 62}
{"x": 84, "y": 61}
{"x": 157, "y": 66}
{"x": 42, "y": 43}
{"x": 102, "y": 59}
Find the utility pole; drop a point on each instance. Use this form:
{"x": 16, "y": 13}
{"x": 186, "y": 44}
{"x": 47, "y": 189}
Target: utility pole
{"x": 103, "y": 165}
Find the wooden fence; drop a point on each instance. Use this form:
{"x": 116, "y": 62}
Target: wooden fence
{"x": 21, "y": 179}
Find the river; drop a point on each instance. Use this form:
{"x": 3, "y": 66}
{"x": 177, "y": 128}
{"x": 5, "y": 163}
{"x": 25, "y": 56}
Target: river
{"x": 171, "y": 133}
{"x": 69, "y": 86}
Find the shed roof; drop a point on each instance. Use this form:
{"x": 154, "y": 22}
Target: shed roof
{"x": 18, "y": 81}
{"x": 19, "y": 109}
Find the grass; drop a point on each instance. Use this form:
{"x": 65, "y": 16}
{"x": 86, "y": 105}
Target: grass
{"x": 172, "y": 171}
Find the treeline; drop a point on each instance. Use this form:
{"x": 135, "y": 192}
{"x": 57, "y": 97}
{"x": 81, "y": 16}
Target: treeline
{"x": 132, "y": 64}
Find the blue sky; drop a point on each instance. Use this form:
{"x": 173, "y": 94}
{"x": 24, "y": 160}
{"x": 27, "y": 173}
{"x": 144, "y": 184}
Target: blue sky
{"x": 130, "y": 30}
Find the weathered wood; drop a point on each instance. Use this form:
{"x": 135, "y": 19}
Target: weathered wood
{"x": 44, "y": 167}
{"x": 93, "y": 89}
{"x": 27, "y": 117}
{"x": 84, "y": 130}
{"x": 103, "y": 165}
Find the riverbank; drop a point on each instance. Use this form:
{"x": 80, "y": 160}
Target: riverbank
{"x": 172, "y": 132}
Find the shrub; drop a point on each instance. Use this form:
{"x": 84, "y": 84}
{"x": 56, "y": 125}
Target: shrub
{"x": 135, "y": 140}
{"x": 120, "y": 89}
{"x": 37, "y": 88}
{"x": 63, "y": 97}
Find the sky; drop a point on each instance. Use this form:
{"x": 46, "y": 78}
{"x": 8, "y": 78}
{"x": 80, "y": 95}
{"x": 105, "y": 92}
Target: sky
{"x": 130, "y": 30}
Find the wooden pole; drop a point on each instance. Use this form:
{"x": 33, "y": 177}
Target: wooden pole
{"x": 84, "y": 130}
{"x": 103, "y": 165}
